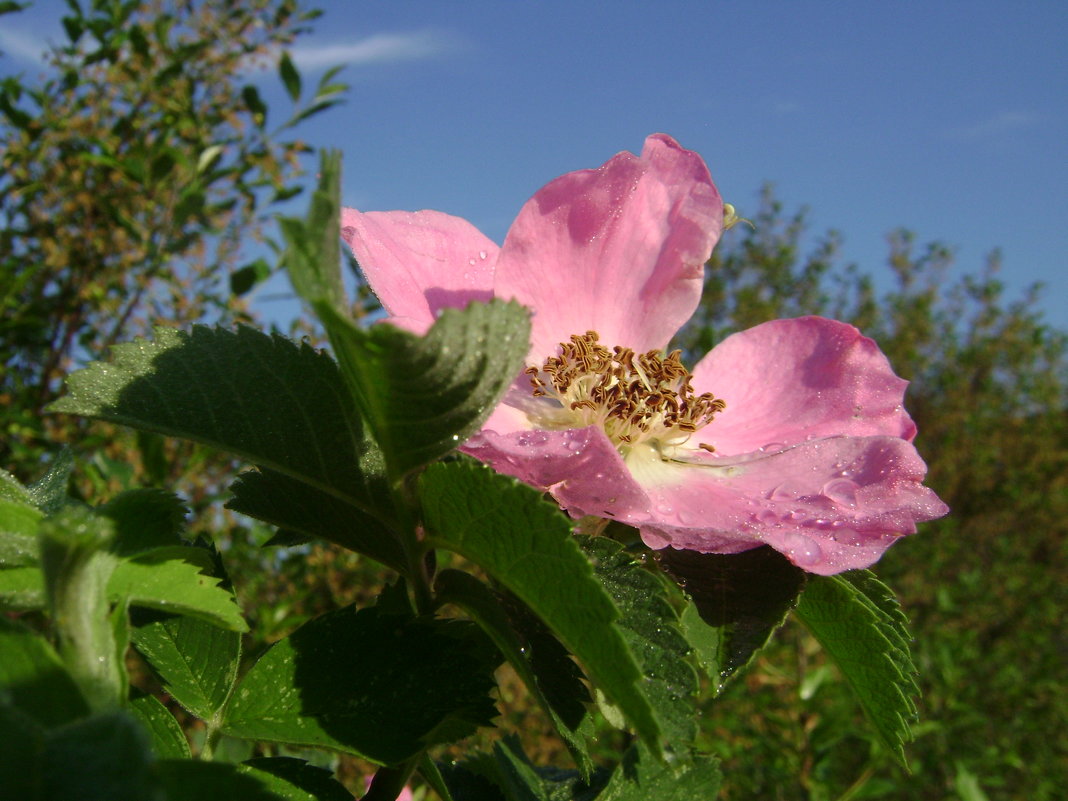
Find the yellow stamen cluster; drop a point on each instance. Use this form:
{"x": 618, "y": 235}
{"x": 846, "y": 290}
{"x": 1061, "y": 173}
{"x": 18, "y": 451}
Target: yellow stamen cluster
{"x": 634, "y": 397}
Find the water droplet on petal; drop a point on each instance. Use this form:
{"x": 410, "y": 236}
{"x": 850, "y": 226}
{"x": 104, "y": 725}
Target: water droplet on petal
{"x": 482, "y": 255}
{"x": 686, "y": 519}
{"x": 767, "y": 517}
{"x": 471, "y": 262}
{"x": 772, "y": 447}
{"x": 804, "y": 551}
{"x": 780, "y": 493}
{"x": 842, "y": 491}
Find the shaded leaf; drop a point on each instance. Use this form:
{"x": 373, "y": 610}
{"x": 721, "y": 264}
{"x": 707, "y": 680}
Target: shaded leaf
{"x": 744, "y": 597}
{"x": 144, "y": 519}
{"x": 650, "y": 626}
{"x": 290, "y": 76}
{"x": 260, "y": 397}
{"x": 34, "y": 679}
{"x": 245, "y": 278}
{"x": 380, "y": 686}
{"x": 102, "y": 758}
{"x": 298, "y": 507}
{"x": 422, "y": 396}
{"x": 525, "y": 544}
{"x": 295, "y": 780}
{"x": 50, "y": 492}
{"x": 165, "y": 735}
{"x": 537, "y": 657}
{"x": 193, "y": 780}
{"x": 22, "y": 756}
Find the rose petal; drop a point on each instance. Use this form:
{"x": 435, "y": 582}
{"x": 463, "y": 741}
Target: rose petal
{"x": 420, "y": 262}
{"x": 829, "y": 505}
{"x": 619, "y": 250}
{"x": 579, "y": 466}
{"x": 790, "y": 380}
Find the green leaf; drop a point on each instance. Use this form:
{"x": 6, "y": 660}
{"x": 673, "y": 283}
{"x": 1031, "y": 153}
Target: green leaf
{"x": 295, "y": 780}
{"x": 857, "y": 620}
{"x": 103, "y": 758}
{"x": 245, "y": 278}
{"x": 543, "y": 665}
{"x": 422, "y": 396}
{"x": 639, "y": 778}
{"x": 193, "y": 780}
{"x": 12, "y": 490}
{"x": 743, "y": 597}
{"x": 172, "y": 580}
{"x": 209, "y": 157}
{"x": 196, "y": 661}
{"x": 295, "y": 506}
{"x": 259, "y": 397}
{"x": 650, "y": 627}
{"x": 383, "y": 687}
{"x": 34, "y": 679}
{"x": 290, "y": 76}
{"x": 144, "y": 519}
{"x": 166, "y": 736}
{"x": 50, "y": 493}
{"x": 525, "y": 544}
{"x": 22, "y": 756}
{"x": 22, "y": 589}
{"x": 18, "y": 534}
{"x": 509, "y": 776}
{"x": 254, "y": 103}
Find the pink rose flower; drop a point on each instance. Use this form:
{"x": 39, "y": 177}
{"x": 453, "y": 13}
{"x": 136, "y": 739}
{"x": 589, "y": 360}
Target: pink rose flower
{"x": 790, "y": 434}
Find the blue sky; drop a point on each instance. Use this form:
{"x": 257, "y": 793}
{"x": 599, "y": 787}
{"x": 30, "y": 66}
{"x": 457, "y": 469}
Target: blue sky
{"x": 947, "y": 118}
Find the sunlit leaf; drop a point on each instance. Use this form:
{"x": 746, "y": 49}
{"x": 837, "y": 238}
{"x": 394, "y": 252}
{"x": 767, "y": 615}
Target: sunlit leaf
{"x": 858, "y": 622}
{"x": 526, "y": 545}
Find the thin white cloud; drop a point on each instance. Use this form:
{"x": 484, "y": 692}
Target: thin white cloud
{"x": 382, "y": 48}
{"x": 785, "y": 106}
{"x": 22, "y": 46}
{"x": 1005, "y": 122}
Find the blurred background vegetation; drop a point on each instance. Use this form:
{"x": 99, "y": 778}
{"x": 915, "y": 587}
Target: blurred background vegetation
{"x": 135, "y": 177}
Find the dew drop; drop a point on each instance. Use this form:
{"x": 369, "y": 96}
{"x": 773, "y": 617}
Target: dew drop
{"x": 804, "y": 551}
{"x": 686, "y": 518}
{"x": 767, "y": 517}
{"x": 773, "y": 447}
{"x": 780, "y": 493}
{"x": 471, "y": 262}
{"x": 482, "y": 255}
{"x": 842, "y": 491}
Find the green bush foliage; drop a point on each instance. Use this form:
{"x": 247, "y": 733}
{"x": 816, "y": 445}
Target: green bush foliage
{"x": 989, "y": 391}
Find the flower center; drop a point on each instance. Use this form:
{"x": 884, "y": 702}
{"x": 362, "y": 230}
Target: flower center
{"x": 637, "y": 398}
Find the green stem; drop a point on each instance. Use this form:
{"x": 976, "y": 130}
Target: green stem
{"x": 77, "y": 568}
{"x": 212, "y": 736}
{"x": 86, "y": 641}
